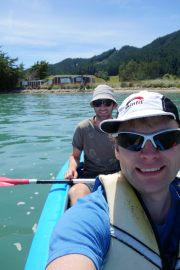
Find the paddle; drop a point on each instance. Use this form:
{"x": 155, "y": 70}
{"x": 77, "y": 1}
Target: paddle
{"x": 4, "y": 181}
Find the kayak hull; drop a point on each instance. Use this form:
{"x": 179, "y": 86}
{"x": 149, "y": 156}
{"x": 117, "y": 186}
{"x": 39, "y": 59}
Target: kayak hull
{"x": 53, "y": 209}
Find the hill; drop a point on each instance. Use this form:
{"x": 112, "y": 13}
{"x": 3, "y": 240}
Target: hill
{"x": 162, "y": 56}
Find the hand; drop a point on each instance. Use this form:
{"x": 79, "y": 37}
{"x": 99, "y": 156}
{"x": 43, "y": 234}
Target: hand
{"x": 70, "y": 173}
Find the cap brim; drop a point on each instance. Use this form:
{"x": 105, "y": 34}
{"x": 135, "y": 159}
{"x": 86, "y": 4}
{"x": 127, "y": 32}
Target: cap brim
{"x": 112, "y": 125}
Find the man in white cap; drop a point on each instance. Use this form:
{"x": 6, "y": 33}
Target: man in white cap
{"x": 132, "y": 219}
{"x": 98, "y": 147}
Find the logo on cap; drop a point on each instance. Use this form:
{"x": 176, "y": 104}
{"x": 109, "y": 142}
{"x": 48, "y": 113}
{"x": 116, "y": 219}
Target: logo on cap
{"x": 134, "y": 101}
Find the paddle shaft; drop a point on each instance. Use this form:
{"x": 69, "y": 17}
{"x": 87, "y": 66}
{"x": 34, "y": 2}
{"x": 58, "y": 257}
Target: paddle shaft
{"x": 60, "y": 181}
{"x": 4, "y": 181}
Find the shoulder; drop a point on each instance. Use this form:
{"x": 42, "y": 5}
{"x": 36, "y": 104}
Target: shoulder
{"x": 84, "y": 126}
{"x": 176, "y": 183}
{"x": 83, "y": 229}
{"x": 95, "y": 204}
{"x": 85, "y": 123}
{"x": 175, "y": 190}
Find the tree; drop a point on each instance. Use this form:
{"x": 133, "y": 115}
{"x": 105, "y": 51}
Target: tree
{"x": 39, "y": 70}
{"x": 10, "y": 72}
{"x": 128, "y": 71}
{"x": 102, "y": 74}
{"x": 134, "y": 70}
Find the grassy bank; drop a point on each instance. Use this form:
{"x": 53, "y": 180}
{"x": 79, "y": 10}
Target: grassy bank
{"x": 165, "y": 82}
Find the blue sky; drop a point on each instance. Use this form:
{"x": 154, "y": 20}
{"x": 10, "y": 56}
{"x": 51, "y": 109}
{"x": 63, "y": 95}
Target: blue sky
{"x": 53, "y": 30}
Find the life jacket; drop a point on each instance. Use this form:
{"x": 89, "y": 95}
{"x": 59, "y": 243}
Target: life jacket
{"x": 134, "y": 244}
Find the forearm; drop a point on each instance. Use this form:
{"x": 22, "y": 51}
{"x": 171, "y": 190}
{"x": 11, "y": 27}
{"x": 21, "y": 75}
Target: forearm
{"x": 74, "y": 161}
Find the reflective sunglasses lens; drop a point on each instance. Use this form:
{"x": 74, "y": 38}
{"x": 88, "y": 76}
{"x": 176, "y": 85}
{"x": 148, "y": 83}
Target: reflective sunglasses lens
{"x": 130, "y": 141}
{"x": 97, "y": 103}
{"x": 100, "y": 102}
{"x": 167, "y": 139}
{"x": 107, "y": 102}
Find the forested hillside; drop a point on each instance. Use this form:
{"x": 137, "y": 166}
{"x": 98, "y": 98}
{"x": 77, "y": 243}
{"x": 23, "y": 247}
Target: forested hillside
{"x": 152, "y": 61}
{"x": 160, "y": 57}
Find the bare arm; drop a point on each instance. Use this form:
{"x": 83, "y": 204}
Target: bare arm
{"x": 72, "y": 262}
{"x": 73, "y": 164}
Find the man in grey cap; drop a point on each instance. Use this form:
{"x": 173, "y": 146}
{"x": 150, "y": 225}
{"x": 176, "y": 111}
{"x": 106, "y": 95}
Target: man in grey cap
{"x": 98, "y": 147}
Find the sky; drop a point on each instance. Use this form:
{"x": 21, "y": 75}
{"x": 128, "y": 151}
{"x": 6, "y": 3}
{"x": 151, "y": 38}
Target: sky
{"x": 53, "y": 30}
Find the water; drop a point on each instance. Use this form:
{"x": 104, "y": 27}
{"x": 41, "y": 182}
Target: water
{"x": 35, "y": 141}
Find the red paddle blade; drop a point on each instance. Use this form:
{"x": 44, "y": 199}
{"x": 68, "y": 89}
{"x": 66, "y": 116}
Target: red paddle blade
{"x": 4, "y": 181}
{"x": 3, "y": 184}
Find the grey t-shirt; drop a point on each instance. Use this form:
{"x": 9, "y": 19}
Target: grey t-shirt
{"x": 98, "y": 147}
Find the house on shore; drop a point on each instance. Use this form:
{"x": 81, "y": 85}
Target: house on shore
{"x": 61, "y": 80}
{"x": 32, "y": 84}
{"x": 72, "y": 79}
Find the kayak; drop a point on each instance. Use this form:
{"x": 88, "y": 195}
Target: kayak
{"x": 54, "y": 207}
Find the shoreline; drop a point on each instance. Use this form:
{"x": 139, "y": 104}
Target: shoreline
{"x": 78, "y": 91}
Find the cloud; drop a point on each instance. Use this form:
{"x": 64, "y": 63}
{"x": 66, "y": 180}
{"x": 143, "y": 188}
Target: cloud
{"x": 54, "y": 30}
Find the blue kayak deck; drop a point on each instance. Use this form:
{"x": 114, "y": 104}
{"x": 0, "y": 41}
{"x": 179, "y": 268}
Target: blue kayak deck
{"x": 54, "y": 207}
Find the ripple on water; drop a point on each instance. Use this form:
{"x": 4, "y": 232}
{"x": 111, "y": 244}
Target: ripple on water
{"x": 18, "y": 246}
{"x": 20, "y": 203}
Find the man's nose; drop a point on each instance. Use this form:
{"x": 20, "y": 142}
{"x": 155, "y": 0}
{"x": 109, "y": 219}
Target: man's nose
{"x": 149, "y": 148}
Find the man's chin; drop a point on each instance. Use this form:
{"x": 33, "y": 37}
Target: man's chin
{"x": 104, "y": 116}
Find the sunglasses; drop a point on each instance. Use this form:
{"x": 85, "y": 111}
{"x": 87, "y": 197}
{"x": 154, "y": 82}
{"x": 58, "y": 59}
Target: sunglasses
{"x": 162, "y": 140}
{"x": 100, "y": 102}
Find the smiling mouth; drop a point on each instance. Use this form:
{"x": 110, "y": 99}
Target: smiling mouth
{"x": 150, "y": 170}
{"x": 103, "y": 111}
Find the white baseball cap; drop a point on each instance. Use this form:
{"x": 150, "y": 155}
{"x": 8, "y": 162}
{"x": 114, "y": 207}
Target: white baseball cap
{"x": 141, "y": 105}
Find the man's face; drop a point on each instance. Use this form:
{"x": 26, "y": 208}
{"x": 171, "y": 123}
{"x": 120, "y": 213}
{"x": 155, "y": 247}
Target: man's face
{"x": 103, "y": 109}
{"x": 150, "y": 171}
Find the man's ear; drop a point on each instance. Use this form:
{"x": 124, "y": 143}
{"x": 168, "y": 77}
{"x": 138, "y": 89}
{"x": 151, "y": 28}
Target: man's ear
{"x": 117, "y": 154}
{"x": 115, "y": 106}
